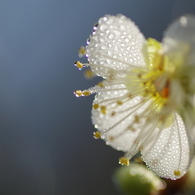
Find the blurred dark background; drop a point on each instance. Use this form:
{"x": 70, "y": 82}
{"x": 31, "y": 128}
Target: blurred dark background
{"x": 46, "y": 142}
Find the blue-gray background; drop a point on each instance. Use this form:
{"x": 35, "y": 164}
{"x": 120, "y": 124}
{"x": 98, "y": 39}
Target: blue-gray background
{"x": 46, "y": 144}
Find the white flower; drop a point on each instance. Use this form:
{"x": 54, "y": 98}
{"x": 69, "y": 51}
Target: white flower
{"x": 146, "y": 100}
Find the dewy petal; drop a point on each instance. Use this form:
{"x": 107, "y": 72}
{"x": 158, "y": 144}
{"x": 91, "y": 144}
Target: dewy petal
{"x": 135, "y": 108}
{"x": 171, "y": 153}
{"x": 117, "y": 128}
{"x": 179, "y": 40}
{"x": 115, "y": 44}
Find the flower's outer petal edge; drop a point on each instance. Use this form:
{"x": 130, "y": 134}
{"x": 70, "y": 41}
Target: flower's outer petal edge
{"x": 179, "y": 46}
{"x": 115, "y": 44}
{"x": 179, "y": 40}
{"x": 171, "y": 154}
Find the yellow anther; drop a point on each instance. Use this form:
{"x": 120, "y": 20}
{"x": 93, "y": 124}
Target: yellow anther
{"x": 79, "y": 65}
{"x": 119, "y": 102}
{"x": 88, "y": 74}
{"x": 110, "y": 138}
{"x": 97, "y": 135}
{"x": 110, "y": 76}
{"x": 124, "y": 161}
{"x": 95, "y": 106}
{"x": 139, "y": 75}
{"x": 113, "y": 113}
{"x": 103, "y": 109}
{"x": 78, "y": 93}
{"x": 146, "y": 92}
{"x": 82, "y": 51}
{"x": 138, "y": 160}
{"x": 154, "y": 94}
{"x": 136, "y": 119}
{"x": 130, "y": 95}
{"x": 86, "y": 93}
{"x": 131, "y": 128}
{"x": 100, "y": 84}
{"x": 163, "y": 118}
{"x": 177, "y": 173}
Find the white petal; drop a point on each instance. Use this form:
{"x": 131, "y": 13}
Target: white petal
{"x": 179, "y": 41}
{"x": 118, "y": 124}
{"x": 116, "y": 44}
{"x": 172, "y": 151}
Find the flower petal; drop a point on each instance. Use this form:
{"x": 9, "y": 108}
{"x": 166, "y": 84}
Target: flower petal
{"x": 179, "y": 40}
{"x": 115, "y": 44}
{"x": 170, "y": 154}
{"x": 117, "y": 122}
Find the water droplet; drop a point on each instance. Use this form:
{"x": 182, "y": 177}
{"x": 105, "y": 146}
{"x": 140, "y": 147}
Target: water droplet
{"x": 103, "y": 47}
{"x": 105, "y": 18}
{"x": 110, "y": 36}
{"x": 110, "y": 53}
{"x": 102, "y": 40}
{"x": 95, "y": 26}
{"x": 88, "y": 41}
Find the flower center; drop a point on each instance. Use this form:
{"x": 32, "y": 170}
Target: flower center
{"x": 154, "y": 80}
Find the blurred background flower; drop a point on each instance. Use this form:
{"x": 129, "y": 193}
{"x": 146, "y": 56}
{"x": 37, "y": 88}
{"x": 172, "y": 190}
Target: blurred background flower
{"x": 46, "y": 144}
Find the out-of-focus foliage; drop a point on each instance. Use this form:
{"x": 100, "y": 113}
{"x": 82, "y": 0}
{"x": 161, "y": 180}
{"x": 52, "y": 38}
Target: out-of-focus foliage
{"x": 136, "y": 179}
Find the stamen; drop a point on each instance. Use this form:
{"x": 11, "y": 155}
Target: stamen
{"x": 129, "y": 154}
{"x": 82, "y": 51}
{"x": 146, "y": 132}
{"x": 141, "y": 103}
{"x": 97, "y": 135}
{"x": 118, "y": 81}
{"x": 79, "y": 93}
{"x": 136, "y": 106}
{"x": 139, "y": 75}
{"x": 89, "y": 74}
{"x": 95, "y": 106}
{"x": 104, "y": 89}
{"x": 113, "y": 113}
{"x": 103, "y": 109}
{"x": 130, "y": 128}
{"x": 117, "y": 135}
{"x": 177, "y": 173}
{"x": 124, "y": 161}
{"x": 111, "y": 138}
{"x": 119, "y": 102}
{"x": 158, "y": 134}
{"x": 138, "y": 160}
{"x": 137, "y": 119}
{"x": 79, "y": 65}
{"x": 86, "y": 93}
{"x": 100, "y": 84}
